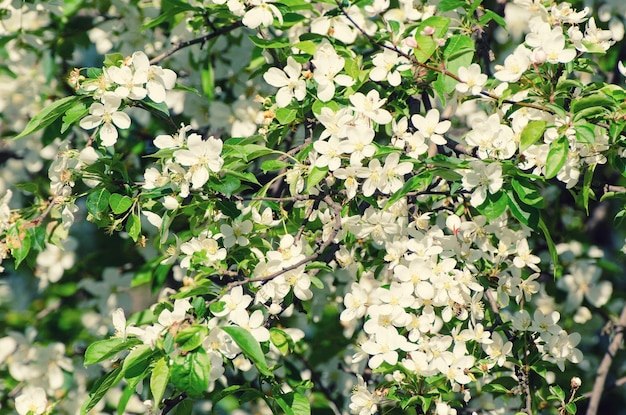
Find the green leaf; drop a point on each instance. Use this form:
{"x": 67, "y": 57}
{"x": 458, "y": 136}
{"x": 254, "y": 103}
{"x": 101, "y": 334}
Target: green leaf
{"x": 160, "y": 109}
{"x": 207, "y": 77}
{"x": 489, "y": 15}
{"x": 48, "y": 115}
{"x": 306, "y": 46}
{"x": 133, "y": 227}
{"x": 556, "y": 157}
{"x": 21, "y": 245}
{"x": 100, "y": 389}
{"x": 191, "y": 337}
{"x": 554, "y": 255}
{"x": 558, "y": 392}
{"x": 190, "y": 372}
{"x": 293, "y": 403}
{"x": 585, "y": 133}
{"x": 76, "y": 112}
{"x": 98, "y": 202}
{"x": 425, "y": 48}
{"x": 493, "y": 206}
{"x": 531, "y": 133}
{"x": 504, "y": 384}
{"x": 228, "y": 208}
{"x": 439, "y": 23}
{"x": 245, "y": 176}
{"x": 571, "y": 408}
{"x": 527, "y": 192}
{"x": 158, "y": 380}
{"x": 448, "y": 5}
{"x": 120, "y": 203}
{"x": 586, "y": 191}
{"x": 417, "y": 182}
{"x": 273, "y": 165}
{"x": 286, "y": 115}
{"x": 459, "y": 45}
{"x": 136, "y": 362}
{"x": 112, "y": 59}
{"x": 169, "y": 10}
{"x": 227, "y": 185}
{"x": 28, "y": 187}
{"x": 527, "y": 215}
{"x": 246, "y": 152}
{"x": 269, "y": 43}
{"x": 250, "y": 347}
{"x": 592, "y": 101}
{"x": 317, "y": 175}
{"x": 318, "y": 105}
{"x": 102, "y": 350}
{"x": 282, "y": 341}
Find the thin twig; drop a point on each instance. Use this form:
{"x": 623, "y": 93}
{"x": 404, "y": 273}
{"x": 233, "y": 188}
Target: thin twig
{"x": 605, "y": 365}
{"x": 171, "y": 403}
{"x": 320, "y": 249}
{"x": 443, "y": 70}
{"x": 195, "y": 41}
{"x": 619, "y": 382}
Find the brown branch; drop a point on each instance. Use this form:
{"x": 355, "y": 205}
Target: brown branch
{"x": 320, "y": 249}
{"x": 611, "y": 188}
{"x": 201, "y": 39}
{"x": 605, "y": 365}
{"x": 619, "y": 382}
{"x": 443, "y": 70}
{"x": 171, "y": 403}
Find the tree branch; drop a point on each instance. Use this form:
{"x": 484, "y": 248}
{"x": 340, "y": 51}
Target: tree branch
{"x": 320, "y": 249}
{"x": 171, "y": 403}
{"x": 201, "y": 39}
{"x": 433, "y": 68}
{"x": 605, "y": 365}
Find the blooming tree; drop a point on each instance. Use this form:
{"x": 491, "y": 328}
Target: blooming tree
{"x": 305, "y": 207}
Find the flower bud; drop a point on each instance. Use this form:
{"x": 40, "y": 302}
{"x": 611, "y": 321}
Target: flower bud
{"x": 576, "y": 382}
{"x": 428, "y": 31}
{"x": 410, "y": 42}
{"x": 540, "y": 56}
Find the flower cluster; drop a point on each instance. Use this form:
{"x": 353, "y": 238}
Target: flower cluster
{"x": 134, "y": 79}
{"x": 353, "y": 197}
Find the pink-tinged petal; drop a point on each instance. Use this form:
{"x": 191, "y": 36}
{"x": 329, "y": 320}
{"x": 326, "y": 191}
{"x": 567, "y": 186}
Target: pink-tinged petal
{"x": 90, "y": 122}
{"x": 108, "y": 135}
{"x": 121, "y": 119}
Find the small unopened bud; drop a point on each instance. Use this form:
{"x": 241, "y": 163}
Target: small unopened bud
{"x": 428, "y": 31}
{"x": 410, "y": 42}
{"x": 275, "y": 309}
{"x": 540, "y": 56}
{"x": 330, "y": 180}
{"x": 576, "y": 382}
